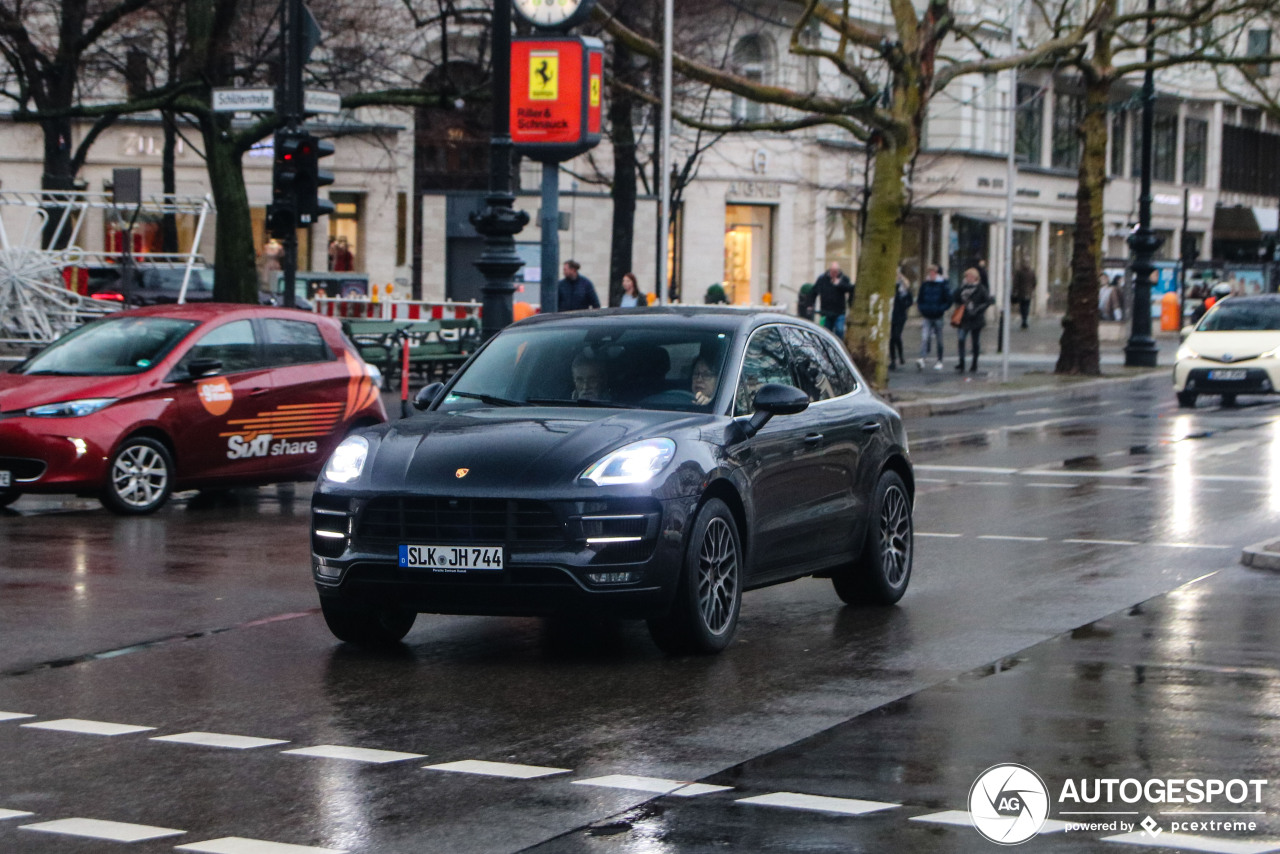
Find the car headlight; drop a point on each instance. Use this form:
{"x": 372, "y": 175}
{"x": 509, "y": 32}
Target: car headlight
{"x": 375, "y": 374}
{"x": 1271, "y": 354}
{"x": 634, "y": 463}
{"x": 347, "y": 460}
{"x": 1185, "y": 352}
{"x": 71, "y": 408}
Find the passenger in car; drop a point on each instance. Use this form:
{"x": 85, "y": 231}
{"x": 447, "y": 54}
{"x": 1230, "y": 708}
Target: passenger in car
{"x": 590, "y": 377}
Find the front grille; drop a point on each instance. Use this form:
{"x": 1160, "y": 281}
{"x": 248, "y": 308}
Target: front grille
{"x": 22, "y": 468}
{"x": 518, "y": 524}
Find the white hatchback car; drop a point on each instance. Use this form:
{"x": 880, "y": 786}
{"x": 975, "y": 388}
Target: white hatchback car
{"x": 1234, "y": 349}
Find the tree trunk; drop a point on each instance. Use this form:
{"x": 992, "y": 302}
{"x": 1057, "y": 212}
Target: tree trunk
{"x": 1079, "y": 342}
{"x": 237, "y": 275}
{"x": 58, "y": 174}
{"x": 169, "y": 223}
{"x": 623, "y": 189}
{"x": 867, "y": 326}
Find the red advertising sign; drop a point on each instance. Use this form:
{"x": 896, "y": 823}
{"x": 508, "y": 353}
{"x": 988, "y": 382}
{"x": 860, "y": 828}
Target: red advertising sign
{"x": 556, "y": 94}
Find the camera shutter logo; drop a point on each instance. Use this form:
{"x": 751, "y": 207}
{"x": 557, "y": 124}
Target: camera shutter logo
{"x": 1008, "y": 804}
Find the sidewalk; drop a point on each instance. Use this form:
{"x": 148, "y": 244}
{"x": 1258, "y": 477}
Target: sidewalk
{"x": 1033, "y": 353}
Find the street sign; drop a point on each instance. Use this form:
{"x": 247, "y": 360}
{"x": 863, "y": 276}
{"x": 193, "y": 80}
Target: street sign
{"x": 244, "y": 100}
{"x": 320, "y": 101}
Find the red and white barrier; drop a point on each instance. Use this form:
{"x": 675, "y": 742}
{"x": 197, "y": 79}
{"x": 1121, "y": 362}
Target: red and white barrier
{"x": 367, "y": 309}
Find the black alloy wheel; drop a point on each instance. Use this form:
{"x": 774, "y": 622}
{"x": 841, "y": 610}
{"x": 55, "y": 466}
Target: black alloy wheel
{"x": 1187, "y": 399}
{"x": 704, "y": 616}
{"x": 879, "y": 576}
{"x": 139, "y": 477}
{"x": 366, "y": 625}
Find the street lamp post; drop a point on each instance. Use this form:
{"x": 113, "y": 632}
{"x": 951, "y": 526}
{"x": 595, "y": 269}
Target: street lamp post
{"x": 499, "y": 222}
{"x": 1141, "y": 351}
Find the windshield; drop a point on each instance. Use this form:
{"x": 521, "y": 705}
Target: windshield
{"x": 108, "y": 347}
{"x": 1236, "y": 315}
{"x": 606, "y": 363}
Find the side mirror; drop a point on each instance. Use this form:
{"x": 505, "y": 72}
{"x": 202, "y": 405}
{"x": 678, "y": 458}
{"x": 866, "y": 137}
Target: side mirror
{"x": 197, "y": 368}
{"x": 427, "y": 395}
{"x": 775, "y": 399}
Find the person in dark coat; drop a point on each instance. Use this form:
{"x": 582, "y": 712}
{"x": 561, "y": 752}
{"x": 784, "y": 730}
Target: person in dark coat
{"x": 576, "y": 292}
{"x": 976, "y": 299}
{"x": 933, "y": 300}
{"x": 835, "y": 293}
{"x": 805, "y": 302}
{"x": 902, "y": 301}
{"x": 1024, "y": 287}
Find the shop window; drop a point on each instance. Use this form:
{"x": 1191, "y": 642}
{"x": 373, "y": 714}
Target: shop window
{"x": 344, "y": 233}
{"x": 748, "y": 253}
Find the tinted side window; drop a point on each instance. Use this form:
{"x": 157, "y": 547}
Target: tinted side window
{"x": 766, "y": 361}
{"x": 812, "y": 363}
{"x": 234, "y": 344}
{"x": 294, "y": 342}
{"x": 844, "y": 379}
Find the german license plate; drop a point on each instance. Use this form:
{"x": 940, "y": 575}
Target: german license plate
{"x": 452, "y": 558}
{"x": 1237, "y": 374}
{"x": 4, "y": 478}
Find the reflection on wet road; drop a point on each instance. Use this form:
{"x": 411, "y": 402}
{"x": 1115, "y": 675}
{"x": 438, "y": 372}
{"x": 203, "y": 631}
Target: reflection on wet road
{"x": 1041, "y": 527}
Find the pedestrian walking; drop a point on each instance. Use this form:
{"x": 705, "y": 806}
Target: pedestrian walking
{"x": 972, "y": 300}
{"x": 835, "y": 294}
{"x": 933, "y": 300}
{"x": 1024, "y": 288}
{"x": 631, "y": 293}
{"x": 576, "y": 292}
{"x": 1108, "y": 299}
{"x": 902, "y": 302}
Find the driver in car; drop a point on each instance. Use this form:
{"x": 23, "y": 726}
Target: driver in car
{"x": 590, "y": 377}
{"x": 705, "y": 380}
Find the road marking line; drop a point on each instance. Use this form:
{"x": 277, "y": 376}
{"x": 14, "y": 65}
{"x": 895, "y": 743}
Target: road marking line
{"x": 1015, "y": 539}
{"x": 13, "y": 716}
{"x": 89, "y": 727}
{"x": 1191, "y": 546}
{"x": 93, "y": 828}
{"x": 961, "y": 818}
{"x": 1189, "y": 842}
{"x": 792, "y": 800}
{"x": 966, "y": 469}
{"x": 1135, "y": 488}
{"x": 1053, "y": 485}
{"x": 216, "y": 739}
{"x": 948, "y": 536}
{"x": 357, "y": 754}
{"x": 1103, "y": 542}
{"x": 988, "y": 483}
{"x": 932, "y": 480}
{"x": 240, "y": 845}
{"x": 497, "y": 769}
{"x": 656, "y": 785}
{"x": 6, "y": 814}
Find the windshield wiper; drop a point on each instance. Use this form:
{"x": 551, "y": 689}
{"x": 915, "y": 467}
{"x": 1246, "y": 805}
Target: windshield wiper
{"x": 49, "y": 374}
{"x": 581, "y": 401}
{"x": 487, "y": 398}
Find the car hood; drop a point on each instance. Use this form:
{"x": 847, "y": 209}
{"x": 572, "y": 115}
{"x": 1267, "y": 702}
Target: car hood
{"x": 1238, "y": 345}
{"x": 495, "y": 449}
{"x": 20, "y": 391}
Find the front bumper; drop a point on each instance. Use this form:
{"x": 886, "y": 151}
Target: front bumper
{"x": 52, "y": 454}
{"x": 615, "y": 556}
{"x": 1261, "y": 376}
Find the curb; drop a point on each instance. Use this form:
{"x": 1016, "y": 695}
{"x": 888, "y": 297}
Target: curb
{"x": 1262, "y": 556}
{"x": 968, "y": 403}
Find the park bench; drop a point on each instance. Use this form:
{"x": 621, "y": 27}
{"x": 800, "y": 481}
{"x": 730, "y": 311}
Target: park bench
{"x": 437, "y": 348}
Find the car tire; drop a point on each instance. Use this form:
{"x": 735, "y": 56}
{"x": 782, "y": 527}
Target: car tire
{"x": 1228, "y": 400}
{"x": 366, "y": 625}
{"x": 880, "y": 574}
{"x": 1187, "y": 399}
{"x": 9, "y": 496}
{"x": 139, "y": 477}
{"x": 704, "y": 616}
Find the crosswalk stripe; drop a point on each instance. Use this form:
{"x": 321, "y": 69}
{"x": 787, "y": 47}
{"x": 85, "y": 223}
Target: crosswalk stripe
{"x": 792, "y": 800}
{"x": 6, "y": 814}
{"x": 89, "y": 727}
{"x": 497, "y": 769}
{"x": 13, "y": 716}
{"x": 357, "y": 754}
{"x": 656, "y": 785}
{"x": 1189, "y": 842}
{"x": 961, "y": 818}
{"x": 217, "y": 739}
{"x": 94, "y": 828}
{"x": 241, "y": 845}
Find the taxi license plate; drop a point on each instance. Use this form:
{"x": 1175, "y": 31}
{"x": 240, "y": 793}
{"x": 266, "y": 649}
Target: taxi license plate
{"x": 4, "y": 478}
{"x": 452, "y": 558}
{"x": 1238, "y": 374}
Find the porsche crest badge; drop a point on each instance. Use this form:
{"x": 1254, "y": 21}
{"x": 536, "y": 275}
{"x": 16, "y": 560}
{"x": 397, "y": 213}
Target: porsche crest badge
{"x": 461, "y": 472}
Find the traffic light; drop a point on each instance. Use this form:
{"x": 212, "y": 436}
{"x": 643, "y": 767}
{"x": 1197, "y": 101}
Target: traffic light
{"x": 310, "y": 154}
{"x": 282, "y": 216}
{"x": 297, "y": 179}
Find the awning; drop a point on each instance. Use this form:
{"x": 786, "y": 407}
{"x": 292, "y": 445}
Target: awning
{"x": 1242, "y": 223}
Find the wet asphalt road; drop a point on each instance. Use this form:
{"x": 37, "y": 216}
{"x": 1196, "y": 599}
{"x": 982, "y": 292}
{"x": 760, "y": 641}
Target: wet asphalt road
{"x": 1041, "y": 525}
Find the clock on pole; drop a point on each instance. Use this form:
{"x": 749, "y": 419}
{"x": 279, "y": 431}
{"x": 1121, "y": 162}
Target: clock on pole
{"x": 554, "y": 14}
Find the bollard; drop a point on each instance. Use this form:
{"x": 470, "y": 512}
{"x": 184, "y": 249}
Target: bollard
{"x": 1170, "y": 316}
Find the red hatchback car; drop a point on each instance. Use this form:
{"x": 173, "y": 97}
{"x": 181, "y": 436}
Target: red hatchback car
{"x": 139, "y": 403}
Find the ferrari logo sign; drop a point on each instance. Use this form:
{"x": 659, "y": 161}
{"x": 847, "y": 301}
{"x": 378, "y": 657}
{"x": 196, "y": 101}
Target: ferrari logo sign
{"x": 544, "y": 75}
{"x": 461, "y": 472}
{"x": 595, "y": 91}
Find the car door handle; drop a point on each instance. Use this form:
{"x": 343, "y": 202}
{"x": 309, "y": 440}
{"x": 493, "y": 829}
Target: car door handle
{"x": 257, "y": 391}
{"x": 813, "y": 439}
{"x": 871, "y": 427}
